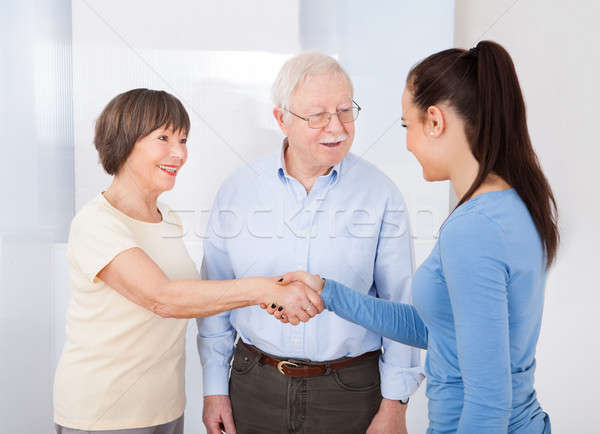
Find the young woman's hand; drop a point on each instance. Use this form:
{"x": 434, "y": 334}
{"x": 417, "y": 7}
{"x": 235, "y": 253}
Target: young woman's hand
{"x": 313, "y": 281}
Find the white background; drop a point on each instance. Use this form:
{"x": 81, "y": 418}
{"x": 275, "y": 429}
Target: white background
{"x": 555, "y": 49}
{"x": 61, "y": 65}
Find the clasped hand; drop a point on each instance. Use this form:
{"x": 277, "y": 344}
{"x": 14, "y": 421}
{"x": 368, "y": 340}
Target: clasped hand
{"x": 297, "y": 298}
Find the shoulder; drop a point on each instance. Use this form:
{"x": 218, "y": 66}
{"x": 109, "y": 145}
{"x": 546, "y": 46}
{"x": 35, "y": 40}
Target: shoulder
{"x": 471, "y": 233}
{"x": 93, "y": 212}
{"x": 97, "y": 216}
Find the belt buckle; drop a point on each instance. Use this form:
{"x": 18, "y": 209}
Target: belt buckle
{"x": 283, "y": 363}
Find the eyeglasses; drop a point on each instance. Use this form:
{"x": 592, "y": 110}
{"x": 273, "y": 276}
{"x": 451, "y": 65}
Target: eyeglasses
{"x": 321, "y": 120}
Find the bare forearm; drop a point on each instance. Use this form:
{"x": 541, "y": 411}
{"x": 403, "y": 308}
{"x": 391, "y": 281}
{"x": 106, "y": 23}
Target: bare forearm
{"x": 199, "y": 298}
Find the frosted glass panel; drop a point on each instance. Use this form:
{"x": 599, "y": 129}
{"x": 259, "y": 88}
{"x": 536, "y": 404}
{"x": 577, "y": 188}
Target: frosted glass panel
{"x": 36, "y": 118}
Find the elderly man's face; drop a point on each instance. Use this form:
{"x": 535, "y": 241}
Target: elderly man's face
{"x": 327, "y": 146}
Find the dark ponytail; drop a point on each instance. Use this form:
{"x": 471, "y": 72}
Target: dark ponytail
{"x": 482, "y": 86}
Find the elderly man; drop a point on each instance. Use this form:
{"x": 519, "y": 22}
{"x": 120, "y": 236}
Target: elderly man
{"x": 316, "y": 207}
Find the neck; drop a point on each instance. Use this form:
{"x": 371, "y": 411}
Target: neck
{"x": 131, "y": 199}
{"x": 464, "y": 173}
{"x": 304, "y": 172}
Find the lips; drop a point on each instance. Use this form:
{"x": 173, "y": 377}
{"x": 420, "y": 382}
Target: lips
{"x": 331, "y": 144}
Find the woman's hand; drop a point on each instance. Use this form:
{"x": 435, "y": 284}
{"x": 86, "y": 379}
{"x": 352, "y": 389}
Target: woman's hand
{"x": 293, "y": 302}
{"x": 313, "y": 281}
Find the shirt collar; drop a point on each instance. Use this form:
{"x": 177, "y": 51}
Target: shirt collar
{"x": 333, "y": 175}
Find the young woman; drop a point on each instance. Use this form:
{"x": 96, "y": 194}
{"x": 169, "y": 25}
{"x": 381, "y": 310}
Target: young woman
{"x": 478, "y": 297}
{"x": 122, "y": 367}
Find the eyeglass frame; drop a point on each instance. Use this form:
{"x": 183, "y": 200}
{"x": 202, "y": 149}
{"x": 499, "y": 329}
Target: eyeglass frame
{"x": 337, "y": 113}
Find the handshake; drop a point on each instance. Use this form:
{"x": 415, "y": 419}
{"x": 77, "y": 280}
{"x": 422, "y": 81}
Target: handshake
{"x": 295, "y": 297}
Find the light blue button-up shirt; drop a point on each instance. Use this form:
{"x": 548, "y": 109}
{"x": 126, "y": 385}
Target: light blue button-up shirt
{"x": 352, "y": 227}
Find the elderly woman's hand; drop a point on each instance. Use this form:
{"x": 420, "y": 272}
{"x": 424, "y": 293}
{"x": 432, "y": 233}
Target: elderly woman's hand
{"x": 294, "y": 302}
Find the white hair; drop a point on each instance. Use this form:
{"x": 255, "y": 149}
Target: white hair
{"x": 298, "y": 70}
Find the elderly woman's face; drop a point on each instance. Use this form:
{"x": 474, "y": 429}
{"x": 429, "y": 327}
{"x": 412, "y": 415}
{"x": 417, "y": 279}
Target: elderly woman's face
{"x": 156, "y": 159}
{"x": 325, "y": 146}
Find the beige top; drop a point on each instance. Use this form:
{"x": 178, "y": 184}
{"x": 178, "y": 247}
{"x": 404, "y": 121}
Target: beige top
{"x": 122, "y": 366}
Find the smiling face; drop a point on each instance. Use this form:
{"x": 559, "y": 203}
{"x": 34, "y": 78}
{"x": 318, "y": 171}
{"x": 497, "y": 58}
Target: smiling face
{"x": 323, "y": 147}
{"x": 156, "y": 159}
{"x": 424, "y": 139}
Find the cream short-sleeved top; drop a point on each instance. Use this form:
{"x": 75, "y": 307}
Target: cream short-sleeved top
{"x": 122, "y": 366}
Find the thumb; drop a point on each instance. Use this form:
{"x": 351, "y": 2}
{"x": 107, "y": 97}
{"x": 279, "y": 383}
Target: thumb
{"x": 289, "y": 278}
{"x": 228, "y": 424}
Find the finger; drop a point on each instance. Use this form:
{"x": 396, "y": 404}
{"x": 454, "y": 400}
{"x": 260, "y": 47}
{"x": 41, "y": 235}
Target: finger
{"x": 315, "y": 300}
{"x": 263, "y": 306}
{"x": 311, "y": 310}
{"x": 292, "y": 276}
{"x": 311, "y": 280}
{"x": 228, "y": 423}
{"x": 303, "y": 316}
{"x": 271, "y": 308}
{"x": 278, "y": 312}
{"x": 213, "y": 428}
{"x": 284, "y": 319}
{"x": 293, "y": 320}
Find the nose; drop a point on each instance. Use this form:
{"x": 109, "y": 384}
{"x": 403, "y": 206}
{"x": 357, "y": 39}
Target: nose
{"x": 179, "y": 151}
{"x": 334, "y": 124}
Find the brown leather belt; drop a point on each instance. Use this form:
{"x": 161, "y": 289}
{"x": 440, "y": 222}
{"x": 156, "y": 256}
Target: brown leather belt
{"x": 298, "y": 369}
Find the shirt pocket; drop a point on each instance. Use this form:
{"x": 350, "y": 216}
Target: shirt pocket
{"x": 357, "y": 256}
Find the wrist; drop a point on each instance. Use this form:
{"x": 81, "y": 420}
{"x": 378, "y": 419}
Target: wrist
{"x": 320, "y": 291}
{"x": 393, "y": 405}
{"x": 258, "y": 289}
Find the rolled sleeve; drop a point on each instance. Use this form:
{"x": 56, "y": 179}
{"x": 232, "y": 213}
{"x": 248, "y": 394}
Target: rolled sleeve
{"x": 216, "y": 335}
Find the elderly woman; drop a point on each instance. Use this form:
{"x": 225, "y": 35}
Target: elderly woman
{"x": 122, "y": 367}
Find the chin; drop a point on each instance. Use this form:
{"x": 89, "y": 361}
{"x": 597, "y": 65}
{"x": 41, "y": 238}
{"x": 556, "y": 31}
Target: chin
{"x": 166, "y": 187}
{"x": 334, "y": 156}
{"x": 433, "y": 177}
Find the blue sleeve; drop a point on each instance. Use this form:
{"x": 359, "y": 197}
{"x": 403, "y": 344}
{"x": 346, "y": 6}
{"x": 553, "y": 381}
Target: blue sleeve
{"x": 216, "y": 335}
{"x": 399, "y": 364}
{"x": 474, "y": 266}
{"x": 396, "y": 321}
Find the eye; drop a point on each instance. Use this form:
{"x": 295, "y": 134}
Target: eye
{"x": 164, "y": 138}
{"x": 184, "y": 140}
{"x": 403, "y": 125}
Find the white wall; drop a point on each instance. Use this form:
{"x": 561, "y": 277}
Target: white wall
{"x": 554, "y": 46}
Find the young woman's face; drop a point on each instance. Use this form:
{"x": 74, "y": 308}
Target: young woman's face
{"x": 427, "y": 149}
{"x": 156, "y": 159}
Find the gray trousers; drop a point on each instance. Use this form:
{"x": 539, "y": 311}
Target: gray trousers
{"x": 264, "y": 401}
{"x": 173, "y": 427}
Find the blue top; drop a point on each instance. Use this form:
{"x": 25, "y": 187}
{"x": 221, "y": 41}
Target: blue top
{"x": 478, "y": 302}
{"x": 353, "y": 227}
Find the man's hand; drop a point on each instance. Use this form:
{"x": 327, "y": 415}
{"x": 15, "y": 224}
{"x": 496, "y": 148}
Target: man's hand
{"x": 217, "y": 415}
{"x": 390, "y": 419}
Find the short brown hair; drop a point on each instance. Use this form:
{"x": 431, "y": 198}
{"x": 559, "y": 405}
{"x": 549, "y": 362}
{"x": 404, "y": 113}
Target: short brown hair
{"x": 131, "y": 116}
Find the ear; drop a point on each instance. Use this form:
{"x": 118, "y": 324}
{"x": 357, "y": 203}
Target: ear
{"x": 435, "y": 122}
{"x": 279, "y": 117}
